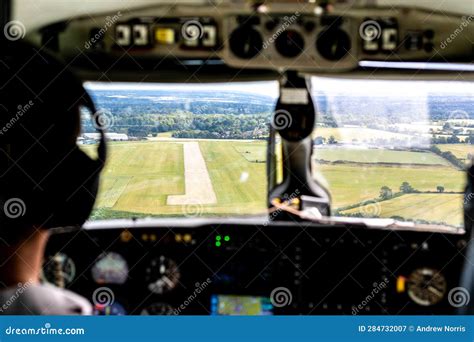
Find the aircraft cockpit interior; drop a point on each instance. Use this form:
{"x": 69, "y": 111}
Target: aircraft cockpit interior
{"x": 275, "y": 157}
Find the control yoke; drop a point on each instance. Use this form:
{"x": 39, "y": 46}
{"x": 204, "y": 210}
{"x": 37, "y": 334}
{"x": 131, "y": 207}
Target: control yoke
{"x": 293, "y": 120}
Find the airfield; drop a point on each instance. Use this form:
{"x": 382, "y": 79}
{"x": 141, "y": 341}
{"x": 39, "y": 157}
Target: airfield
{"x": 190, "y": 177}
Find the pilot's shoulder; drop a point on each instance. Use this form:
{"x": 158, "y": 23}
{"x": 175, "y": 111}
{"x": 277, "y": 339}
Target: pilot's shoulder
{"x": 43, "y": 300}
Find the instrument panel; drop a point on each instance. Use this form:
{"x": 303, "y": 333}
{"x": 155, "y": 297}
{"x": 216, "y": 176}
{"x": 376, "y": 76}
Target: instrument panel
{"x": 258, "y": 269}
{"x": 274, "y": 36}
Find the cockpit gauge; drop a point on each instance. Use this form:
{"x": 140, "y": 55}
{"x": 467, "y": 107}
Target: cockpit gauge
{"x": 162, "y": 275}
{"x": 110, "y": 268}
{"x": 59, "y": 269}
{"x": 426, "y": 286}
{"x": 333, "y": 44}
{"x": 245, "y": 42}
{"x": 158, "y": 309}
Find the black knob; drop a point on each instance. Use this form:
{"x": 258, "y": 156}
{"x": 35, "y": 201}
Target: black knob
{"x": 245, "y": 42}
{"x": 290, "y": 43}
{"x": 333, "y": 44}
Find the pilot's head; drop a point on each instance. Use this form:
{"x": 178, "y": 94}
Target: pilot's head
{"x": 45, "y": 180}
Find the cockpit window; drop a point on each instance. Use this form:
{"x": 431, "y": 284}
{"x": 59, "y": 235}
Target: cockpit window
{"x": 182, "y": 150}
{"x": 394, "y": 149}
{"x": 384, "y": 149}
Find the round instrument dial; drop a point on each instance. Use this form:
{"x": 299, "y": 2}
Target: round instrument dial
{"x": 333, "y": 44}
{"x": 426, "y": 286}
{"x": 59, "y": 269}
{"x": 245, "y": 42}
{"x": 290, "y": 43}
{"x": 162, "y": 275}
{"x": 110, "y": 268}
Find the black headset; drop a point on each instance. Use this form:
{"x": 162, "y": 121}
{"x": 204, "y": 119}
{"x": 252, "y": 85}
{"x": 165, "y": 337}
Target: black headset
{"x": 65, "y": 193}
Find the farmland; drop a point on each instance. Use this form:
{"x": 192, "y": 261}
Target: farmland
{"x": 446, "y": 208}
{"x": 141, "y": 175}
{"x": 461, "y": 151}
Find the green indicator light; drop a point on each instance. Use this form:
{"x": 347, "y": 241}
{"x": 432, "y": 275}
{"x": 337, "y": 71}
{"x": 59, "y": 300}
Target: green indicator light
{"x": 218, "y": 244}
{"x": 227, "y": 238}
{"x": 218, "y": 238}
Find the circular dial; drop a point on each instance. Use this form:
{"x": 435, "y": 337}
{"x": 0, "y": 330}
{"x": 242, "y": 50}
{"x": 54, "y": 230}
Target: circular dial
{"x": 158, "y": 309}
{"x": 333, "y": 44}
{"x": 290, "y": 43}
{"x": 162, "y": 275}
{"x": 59, "y": 269}
{"x": 245, "y": 42}
{"x": 426, "y": 286}
{"x": 114, "y": 309}
{"x": 110, "y": 268}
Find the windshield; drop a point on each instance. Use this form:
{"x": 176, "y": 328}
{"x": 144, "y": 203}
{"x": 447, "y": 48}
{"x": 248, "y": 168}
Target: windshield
{"x": 182, "y": 150}
{"x": 394, "y": 149}
{"x": 384, "y": 149}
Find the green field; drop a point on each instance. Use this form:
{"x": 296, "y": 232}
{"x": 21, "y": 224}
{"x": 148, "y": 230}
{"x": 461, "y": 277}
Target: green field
{"x": 351, "y": 184}
{"x": 446, "y": 208}
{"x": 379, "y": 156}
{"x": 461, "y": 151}
{"x": 141, "y": 175}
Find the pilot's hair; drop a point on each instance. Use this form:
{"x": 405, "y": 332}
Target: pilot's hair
{"x": 39, "y": 122}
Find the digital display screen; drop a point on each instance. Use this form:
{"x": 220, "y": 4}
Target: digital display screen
{"x": 227, "y": 305}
